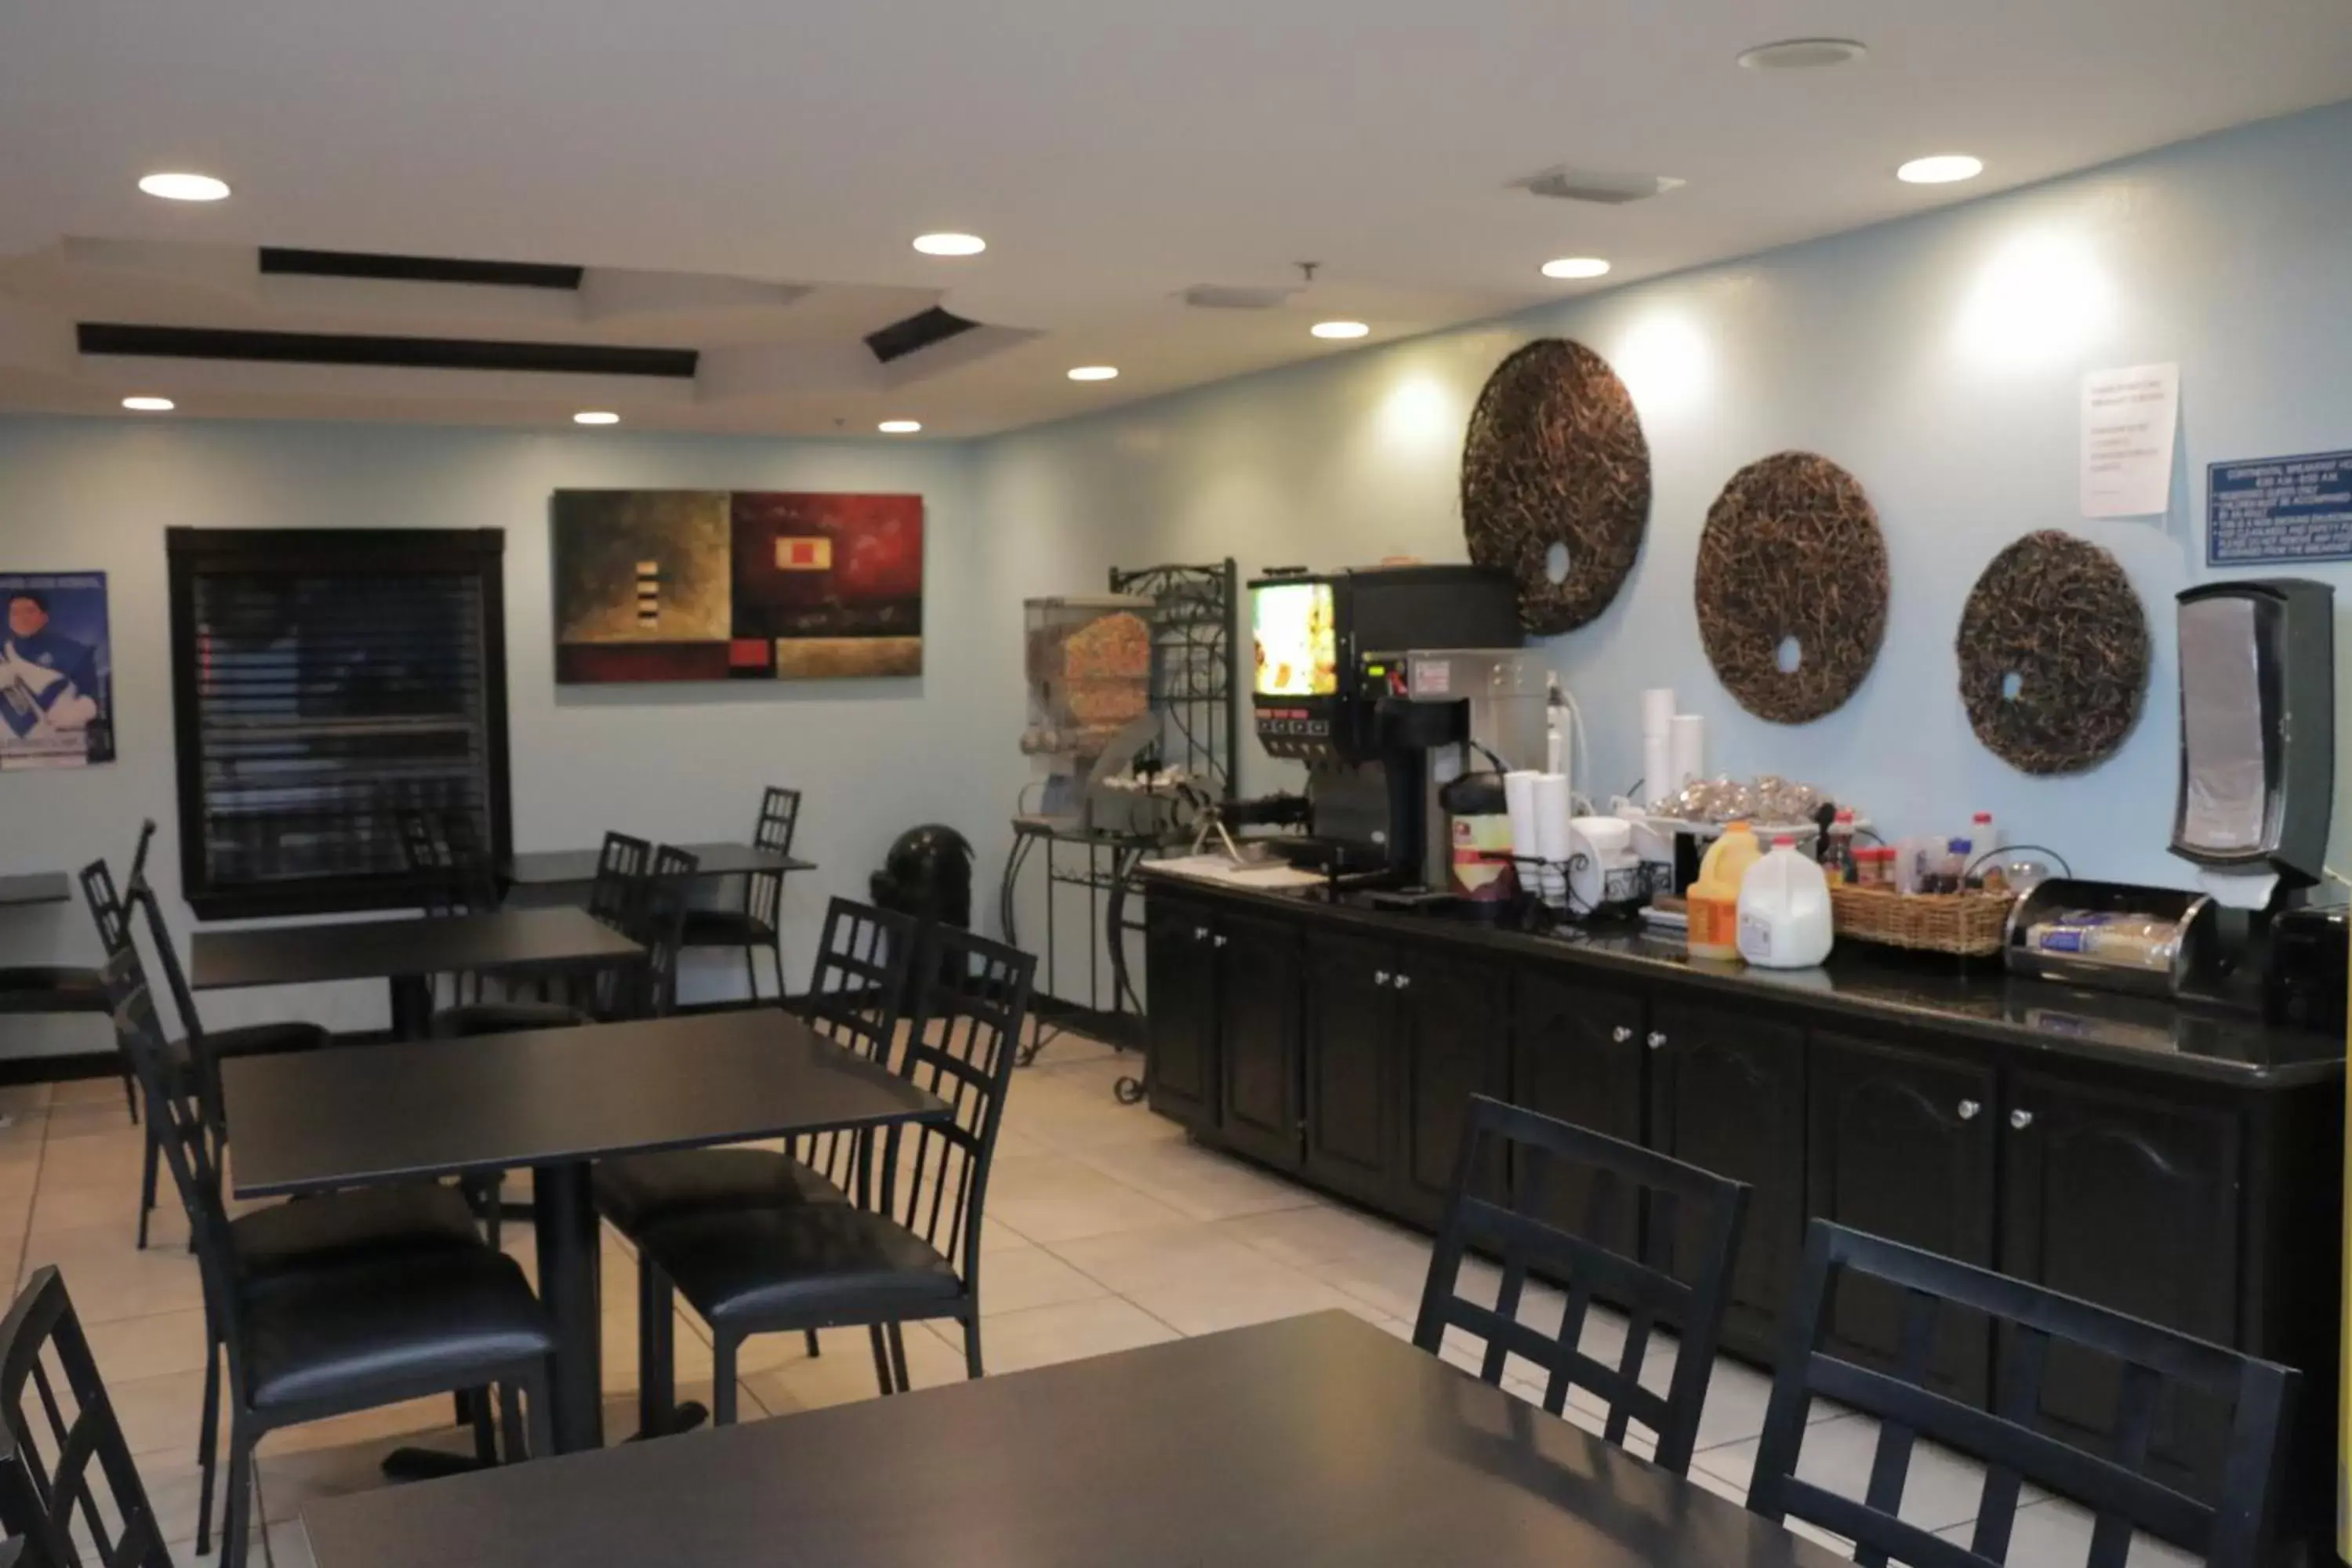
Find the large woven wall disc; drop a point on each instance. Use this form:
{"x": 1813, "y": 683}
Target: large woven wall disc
{"x": 1556, "y": 483}
{"x": 2053, "y": 649}
{"x": 1792, "y": 586}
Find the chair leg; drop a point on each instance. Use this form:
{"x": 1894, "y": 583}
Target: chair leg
{"x": 130, "y": 1096}
{"x": 543, "y": 1424}
{"x": 147, "y": 1186}
{"x": 750, "y": 971}
{"x": 486, "y": 1425}
{"x": 971, "y": 1346}
{"x": 882, "y": 1375}
{"x": 898, "y": 1359}
{"x": 657, "y": 1363}
{"x": 236, "y": 1508}
{"x": 208, "y": 1438}
{"x": 510, "y": 1419}
{"x": 814, "y": 1350}
{"x": 722, "y": 1379}
{"x": 777, "y": 953}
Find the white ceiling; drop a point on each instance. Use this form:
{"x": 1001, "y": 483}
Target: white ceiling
{"x": 1113, "y": 155}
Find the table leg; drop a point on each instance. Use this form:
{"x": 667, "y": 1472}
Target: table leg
{"x": 563, "y": 1212}
{"x": 411, "y": 1006}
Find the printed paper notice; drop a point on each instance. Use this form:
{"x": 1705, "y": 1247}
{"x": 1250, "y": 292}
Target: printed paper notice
{"x": 2129, "y": 417}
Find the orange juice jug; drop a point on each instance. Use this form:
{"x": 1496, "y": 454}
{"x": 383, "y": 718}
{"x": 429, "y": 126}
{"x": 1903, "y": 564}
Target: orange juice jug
{"x": 1714, "y": 900}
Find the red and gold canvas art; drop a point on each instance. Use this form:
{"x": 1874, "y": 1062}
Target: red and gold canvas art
{"x": 661, "y": 585}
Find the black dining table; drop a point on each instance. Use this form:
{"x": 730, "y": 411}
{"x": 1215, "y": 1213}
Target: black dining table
{"x": 408, "y": 952}
{"x": 1314, "y": 1440}
{"x": 553, "y": 1101}
{"x": 568, "y": 868}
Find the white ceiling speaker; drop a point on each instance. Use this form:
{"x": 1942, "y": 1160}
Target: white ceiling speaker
{"x": 1566, "y": 182}
{"x": 1803, "y": 53}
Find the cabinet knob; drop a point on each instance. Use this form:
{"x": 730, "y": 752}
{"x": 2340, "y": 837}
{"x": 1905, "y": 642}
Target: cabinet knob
{"x": 1200, "y": 933}
{"x": 1380, "y": 977}
{"x": 1621, "y": 1033}
{"x": 1968, "y": 1109}
{"x": 1219, "y": 939}
{"x": 1403, "y": 981}
{"x": 1657, "y": 1040}
{"x": 2020, "y": 1119}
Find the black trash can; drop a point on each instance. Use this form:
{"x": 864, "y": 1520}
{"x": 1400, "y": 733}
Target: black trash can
{"x": 927, "y": 874}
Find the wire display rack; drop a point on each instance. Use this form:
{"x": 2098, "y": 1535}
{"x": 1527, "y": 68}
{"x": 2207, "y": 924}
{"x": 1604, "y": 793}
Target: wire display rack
{"x": 1193, "y": 693}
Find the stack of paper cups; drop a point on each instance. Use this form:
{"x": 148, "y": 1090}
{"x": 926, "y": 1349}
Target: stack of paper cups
{"x": 1519, "y": 801}
{"x": 1657, "y": 743}
{"x": 1552, "y": 812}
{"x": 1687, "y": 750}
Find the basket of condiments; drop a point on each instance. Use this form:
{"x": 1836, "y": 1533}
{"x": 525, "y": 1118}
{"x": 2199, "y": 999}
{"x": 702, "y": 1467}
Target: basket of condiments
{"x": 1928, "y": 895}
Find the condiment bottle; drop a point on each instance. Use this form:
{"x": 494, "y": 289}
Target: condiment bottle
{"x": 1837, "y": 852}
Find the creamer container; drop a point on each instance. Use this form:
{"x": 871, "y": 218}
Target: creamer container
{"x": 1714, "y": 900}
{"x": 1784, "y": 911}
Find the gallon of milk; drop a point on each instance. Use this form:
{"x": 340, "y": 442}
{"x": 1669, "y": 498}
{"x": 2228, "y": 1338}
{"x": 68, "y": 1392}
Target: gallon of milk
{"x": 1784, "y": 911}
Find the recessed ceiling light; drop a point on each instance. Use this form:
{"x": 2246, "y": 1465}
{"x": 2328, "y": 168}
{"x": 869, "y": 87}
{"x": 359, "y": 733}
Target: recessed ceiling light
{"x": 1340, "y": 329}
{"x": 595, "y": 416}
{"x": 1575, "y": 267}
{"x": 899, "y": 426}
{"x": 184, "y": 188}
{"x": 950, "y": 244}
{"x": 1802, "y": 54}
{"x": 1940, "y": 169}
{"x": 1095, "y": 373}
{"x": 148, "y": 404}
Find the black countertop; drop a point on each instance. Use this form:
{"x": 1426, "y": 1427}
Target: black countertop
{"x": 1882, "y": 986}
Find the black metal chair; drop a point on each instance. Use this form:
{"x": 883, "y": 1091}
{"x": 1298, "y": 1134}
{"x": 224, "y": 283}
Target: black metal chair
{"x": 621, "y": 867}
{"x": 906, "y": 1253}
{"x": 1499, "y": 1137}
{"x": 650, "y": 909}
{"x": 69, "y": 1490}
{"x": 192, "y": 1058}
{"x": 370, "y": 1328}
{"x": 2231, "y": 1531}
{"x": 759, "y": 922}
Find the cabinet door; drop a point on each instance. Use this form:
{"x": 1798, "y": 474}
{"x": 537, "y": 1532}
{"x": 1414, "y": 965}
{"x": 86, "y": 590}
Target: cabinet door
{"x": 1577, "y": 1054}
{"x": 1728, "y": 1095}
{"x": 1902, "y": 1145}
{"x": 1349, "y": 1018}
{"x": 2132, "y": 1201}
{"x": 1179, "y": 977}
{"x": 1257, "y": 985}
{"x": 1453, "y": 1040}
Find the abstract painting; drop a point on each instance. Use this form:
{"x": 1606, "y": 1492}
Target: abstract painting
{"x": 658, "y": 586}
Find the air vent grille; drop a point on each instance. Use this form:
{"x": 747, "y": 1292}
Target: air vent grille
{"x": 418, "y": 268}
{"x": 411, "y": 353}
{"x": 916, "y": 333}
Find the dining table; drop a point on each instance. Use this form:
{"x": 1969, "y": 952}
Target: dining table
{"x": 1308, "y": 1441}
{"x": 553, "y": 1101}
{"x": 407, "y": 952}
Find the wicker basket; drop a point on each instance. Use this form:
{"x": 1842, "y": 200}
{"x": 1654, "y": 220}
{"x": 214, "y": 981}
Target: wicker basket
{"x": 1970, "y": 924}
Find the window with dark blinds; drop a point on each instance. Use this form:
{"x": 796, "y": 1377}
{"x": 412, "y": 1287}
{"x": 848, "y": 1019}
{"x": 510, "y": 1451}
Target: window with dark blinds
{"x": 326, "y": 685}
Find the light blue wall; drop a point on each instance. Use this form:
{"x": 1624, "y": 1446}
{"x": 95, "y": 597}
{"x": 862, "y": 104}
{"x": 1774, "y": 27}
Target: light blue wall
{"x": 1938, "y": 359}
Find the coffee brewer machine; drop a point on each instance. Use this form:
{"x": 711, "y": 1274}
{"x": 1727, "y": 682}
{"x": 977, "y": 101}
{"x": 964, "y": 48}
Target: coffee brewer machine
{"x": 1379, "y": 678}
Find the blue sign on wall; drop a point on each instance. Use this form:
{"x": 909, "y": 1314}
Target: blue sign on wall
{"x": 2279, "y": 508}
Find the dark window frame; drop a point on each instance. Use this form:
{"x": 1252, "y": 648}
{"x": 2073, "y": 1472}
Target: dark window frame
{"x": 193, "y": 552}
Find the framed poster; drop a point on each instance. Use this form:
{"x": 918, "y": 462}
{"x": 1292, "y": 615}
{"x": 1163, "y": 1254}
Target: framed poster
{"x": 665, "y": 586}
{"x": 57, "y": 671}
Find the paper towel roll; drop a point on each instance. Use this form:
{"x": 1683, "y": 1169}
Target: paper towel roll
{"x": 1519, "y": 801}
{"x": 1657, "y": 711}
{"x": 1657, "y": 767}
{"x": 1686, "y": 758}
{"x": 1553, "y": 841}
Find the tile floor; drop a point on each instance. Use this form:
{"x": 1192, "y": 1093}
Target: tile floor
{"x": 1106, "y": 1230}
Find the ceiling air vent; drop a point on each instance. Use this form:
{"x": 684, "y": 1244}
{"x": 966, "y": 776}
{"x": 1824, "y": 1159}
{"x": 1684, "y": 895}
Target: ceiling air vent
{"x": 1568, "y": 183}
{"x": 916, "y": 333}
{"x": 409, "y": 354}
{"x": 418, "y": 268}
{"x": 1232, "y": 297}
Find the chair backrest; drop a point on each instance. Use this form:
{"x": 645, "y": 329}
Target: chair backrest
{"x": 2229, "y": 1532}
{"x": 856, "y": 998}
{"x": 429, "y": 858}
{"x": 971, "y": 1001}
{"x": 780, "y": 817}
{"x": 69, "y": 1488}
{"x": 657, "y": 923}
{"x": 1535, "y": 1147}
{"x": 98, "y": 890}
{"x": 473, "y": 876}
{"x": 620, "y": 870}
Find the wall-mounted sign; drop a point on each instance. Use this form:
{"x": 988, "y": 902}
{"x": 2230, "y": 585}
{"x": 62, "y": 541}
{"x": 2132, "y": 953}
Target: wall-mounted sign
{"x": 2128, "y": 418}
{"x": 57, "y": 671}
{"x": 2278, "y": 510}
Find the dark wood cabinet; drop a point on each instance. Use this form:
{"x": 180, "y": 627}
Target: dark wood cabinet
{"x": 1728, "y": 1093}
{"x": 1181, "y": 1020}
{"x": 1349, "y": 1020}
{"x": 1902, "y": 1142}
{"x": 1258, "y": 984}
{"x": 1452, "y": 1040}
{"x": 1577, "y": 1054}
{"x": 2132, "y": 1201}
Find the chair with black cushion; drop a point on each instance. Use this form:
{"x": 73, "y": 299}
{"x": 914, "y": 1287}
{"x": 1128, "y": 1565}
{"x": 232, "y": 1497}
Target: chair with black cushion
{"x": 759, "y": 922}
{"x": 2153, "y": 1364}
{"x": 69, "y": 1492}
{"x": 906, "y": 1253}
{"x": 194, "y": 1057}
{"x": 304, "y": 1343}
{"x": 1521, "y": 1236}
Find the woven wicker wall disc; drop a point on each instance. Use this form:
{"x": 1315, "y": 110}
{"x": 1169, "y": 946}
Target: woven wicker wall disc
{"x": 2058, "y": 615}
{"x": 1792, "y": 586}
{"x": 1555, "y": 456}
